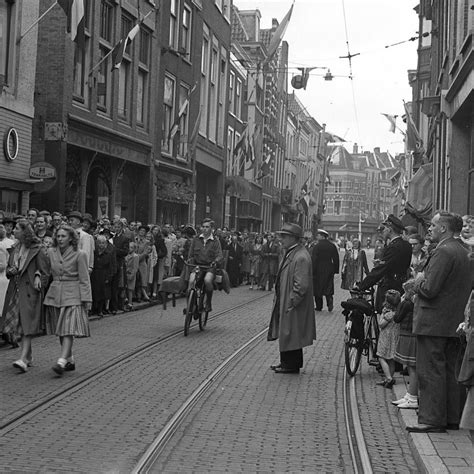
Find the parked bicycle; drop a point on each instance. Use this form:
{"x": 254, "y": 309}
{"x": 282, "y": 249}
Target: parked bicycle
{"x": 196, "y": 303}
{"x": 361, "y": 332}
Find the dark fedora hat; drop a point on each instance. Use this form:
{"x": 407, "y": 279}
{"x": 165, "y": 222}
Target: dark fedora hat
{"x": 76, "y": 214}
{"x": 88, "y": 217}
{"x": 291, "y": 229}
{"x": 9, "y": 220}
{"x": 394, "y": 222}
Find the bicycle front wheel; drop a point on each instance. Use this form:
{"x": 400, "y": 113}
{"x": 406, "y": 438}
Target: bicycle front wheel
{"x": 352, "y": 351}
{"x": 190, "y": 309}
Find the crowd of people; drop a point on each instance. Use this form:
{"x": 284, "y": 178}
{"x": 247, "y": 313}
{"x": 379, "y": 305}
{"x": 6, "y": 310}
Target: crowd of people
{"x": 56, "y": 271}
{"x": 423, "y": 301}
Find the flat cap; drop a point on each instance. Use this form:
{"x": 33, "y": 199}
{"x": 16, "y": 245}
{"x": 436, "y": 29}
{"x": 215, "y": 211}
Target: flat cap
{"x": 291, "y": 229}
{"x": 76, "y": 214}
{"x": 394, "y": 222}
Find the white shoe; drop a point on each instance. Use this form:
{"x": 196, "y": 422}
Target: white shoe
{"x": 410, "y": 403}
{"x": 402, "y": 400}
{"x": 19, "y": 364}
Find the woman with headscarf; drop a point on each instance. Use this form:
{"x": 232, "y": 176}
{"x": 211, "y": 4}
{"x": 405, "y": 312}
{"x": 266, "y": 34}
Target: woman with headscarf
{"x": 28, "y": 272}
{"x": 354, "y": 265}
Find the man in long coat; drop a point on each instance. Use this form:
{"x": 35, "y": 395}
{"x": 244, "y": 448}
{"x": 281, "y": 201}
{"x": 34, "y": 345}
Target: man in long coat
{"x": 442, "y": 293}
{"x": 292, "y": 321}
{"x": 325, "y": 257}
{"x": 392, "y": 270}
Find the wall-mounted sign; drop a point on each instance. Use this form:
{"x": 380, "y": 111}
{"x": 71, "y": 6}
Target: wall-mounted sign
{"x": 55, "y": 131}
{"x": 11, "y": 144}
{"x": 42, "y": 170}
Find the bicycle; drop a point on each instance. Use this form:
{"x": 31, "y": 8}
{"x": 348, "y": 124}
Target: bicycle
{"x": 196, "y": 300}
{"x": 361, "y": 331}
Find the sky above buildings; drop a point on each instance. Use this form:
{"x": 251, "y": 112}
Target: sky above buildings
{"x": 317, "y": 38}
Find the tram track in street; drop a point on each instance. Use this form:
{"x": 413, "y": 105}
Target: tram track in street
{"x": 358, "y": 450}
{"x": 31, "y": 410}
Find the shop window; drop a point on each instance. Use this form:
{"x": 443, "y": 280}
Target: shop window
{"x": 10, "y": 201}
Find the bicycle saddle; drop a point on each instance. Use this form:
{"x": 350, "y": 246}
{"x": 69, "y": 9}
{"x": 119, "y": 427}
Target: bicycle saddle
{"x": 358, "y": 303}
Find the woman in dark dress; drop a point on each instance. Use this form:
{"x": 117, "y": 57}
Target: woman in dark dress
{"x": 28, "y": 271}
{"x": 104, "y": 269}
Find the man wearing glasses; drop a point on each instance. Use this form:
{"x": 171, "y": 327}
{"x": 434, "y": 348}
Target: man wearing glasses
{"x": 392, "y": 270}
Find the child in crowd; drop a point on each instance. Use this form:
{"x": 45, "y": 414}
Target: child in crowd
{"x": 131, "y": 265}
{"x": 388, "y": 337}
{"x": 406, "y": 347}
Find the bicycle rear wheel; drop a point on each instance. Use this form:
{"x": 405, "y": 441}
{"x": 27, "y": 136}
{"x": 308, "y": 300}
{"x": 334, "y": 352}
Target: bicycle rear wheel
{"x": 190, "y": 309}
{"x": 371, "y": 338}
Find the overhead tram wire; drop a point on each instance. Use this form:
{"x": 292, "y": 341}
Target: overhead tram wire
{"x": 349, "y": 57}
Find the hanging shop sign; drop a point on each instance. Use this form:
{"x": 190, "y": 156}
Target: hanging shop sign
{"x": 11, "y": 144}
{"x": 42, "y": 170}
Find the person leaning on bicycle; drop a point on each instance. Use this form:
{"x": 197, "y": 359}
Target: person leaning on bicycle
{"x": 392, "y": 270}
{"x": 205, "y": 250}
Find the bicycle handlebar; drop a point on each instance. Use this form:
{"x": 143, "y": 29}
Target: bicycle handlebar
{"x": 196, "y": 265}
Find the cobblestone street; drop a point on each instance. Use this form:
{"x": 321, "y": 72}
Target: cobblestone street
{"x": 251, "y": 420}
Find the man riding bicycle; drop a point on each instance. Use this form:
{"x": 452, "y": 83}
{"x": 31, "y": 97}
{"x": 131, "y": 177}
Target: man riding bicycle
{"x": 206, "y": 250}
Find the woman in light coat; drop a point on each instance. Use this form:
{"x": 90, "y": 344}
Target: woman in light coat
{"x": 27, "y": 271}
{"x": 293, "y": 322}
{"x": 69, "y": 297}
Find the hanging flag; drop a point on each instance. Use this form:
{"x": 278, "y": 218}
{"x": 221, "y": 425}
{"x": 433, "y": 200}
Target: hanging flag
{"x": 175, "y": 128}
{"x": 74, "y": 10}
{"x": 121, "y": 46}
{"x": 393, "y": 121}
{"x": 194, "y": 134}
{"x": 241, "y": 144}
{"x": 414, "y": 140}
{"x": 278, "y": 36}
{"x": 304, "y": 188}
{"x": 265, "y": 167}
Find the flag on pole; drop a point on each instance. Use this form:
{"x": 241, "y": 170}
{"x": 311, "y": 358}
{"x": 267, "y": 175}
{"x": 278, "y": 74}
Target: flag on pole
{"x": 393, "y": 121}
{"x": 175, "y": 128}
{"x": 194, "y": 134}
{"x": 242, "y": 143}
{"x": 121, "y": 46}
{"x": 74, "y": 10}
{"x": 414, "y": 140}
{"x": 265, "y": 167}
{"x": 278, "y": 36}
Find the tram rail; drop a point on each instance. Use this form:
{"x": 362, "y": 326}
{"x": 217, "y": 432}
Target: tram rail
{"x": 31, "y": 410}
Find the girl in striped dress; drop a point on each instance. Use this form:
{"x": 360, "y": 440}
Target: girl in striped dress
{"x": 69, "y": 297}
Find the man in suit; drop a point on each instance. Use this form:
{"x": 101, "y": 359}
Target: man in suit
{"x": 234, "y": 261}
{"x": 325, "y": 258}
{"x": 392, "y": 270}
{"x": 292, "y": 321}
{"x": 442, "y": 293}
{"x": 270, "y": 252}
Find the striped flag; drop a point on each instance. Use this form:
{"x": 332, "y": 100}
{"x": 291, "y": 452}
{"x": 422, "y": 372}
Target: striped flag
{"x": 175, "y": 128}
{"x": 74, "y": 10}
{"x": 278, "y": 36}
{"x": 121, "y": 46}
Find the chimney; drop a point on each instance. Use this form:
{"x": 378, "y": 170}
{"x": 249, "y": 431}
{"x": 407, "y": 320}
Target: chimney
{"x": 377, "y": 150}
{"x": 355, "y": 149}
{"x": 274, "y": 24}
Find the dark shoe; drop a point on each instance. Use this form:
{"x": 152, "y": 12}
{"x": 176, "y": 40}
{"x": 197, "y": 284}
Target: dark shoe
{"x": 330, "y": 308}
{"x": 70, "y": 366}
{"x": 274, "y": 367}
{"x": 452, "y": 426}
{"x": 386, "y": 383}
{"x": 59, "y": 369}
{"x": 420, "y": 428}
{"x": 318, "y": 309}
{"x": 208, "y": 307}
{"x": 283, "y": 370}
{"x": 100, "y": 315}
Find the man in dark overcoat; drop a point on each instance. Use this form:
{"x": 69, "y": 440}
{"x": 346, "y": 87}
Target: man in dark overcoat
{"x": 392, "y": 270}
{"x": 270, "y": 253}
{"x": 325, "y": 257}
{"x": 292, "y": 321}
{"x": 234, "y": 261}
{"x": 443, "y": 289}
{"x": 120, "y": 242}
